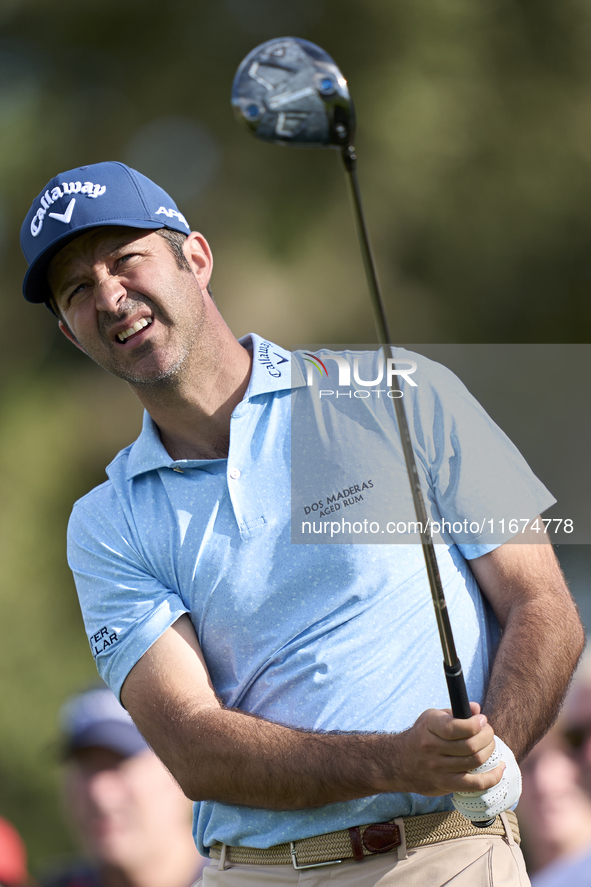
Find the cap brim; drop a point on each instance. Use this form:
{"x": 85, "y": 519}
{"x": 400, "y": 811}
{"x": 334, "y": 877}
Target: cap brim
{"x": 124, "y": 739}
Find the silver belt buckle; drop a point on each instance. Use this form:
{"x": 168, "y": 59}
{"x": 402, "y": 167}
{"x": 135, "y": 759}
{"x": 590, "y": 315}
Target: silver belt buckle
{"x": 312, "y": 865}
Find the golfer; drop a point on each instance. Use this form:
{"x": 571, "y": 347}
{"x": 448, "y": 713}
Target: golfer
{"x": 295, "y": 691}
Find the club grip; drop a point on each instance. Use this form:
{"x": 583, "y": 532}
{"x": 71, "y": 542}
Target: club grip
{"x": 458, "y": 694}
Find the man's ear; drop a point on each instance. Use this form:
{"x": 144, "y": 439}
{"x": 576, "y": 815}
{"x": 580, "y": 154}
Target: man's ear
{"x": 70, "y": 335}
{"x": 199, "y": 257}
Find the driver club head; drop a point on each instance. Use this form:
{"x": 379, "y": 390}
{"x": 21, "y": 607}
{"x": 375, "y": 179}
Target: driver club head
{"x": 290, "y": 92}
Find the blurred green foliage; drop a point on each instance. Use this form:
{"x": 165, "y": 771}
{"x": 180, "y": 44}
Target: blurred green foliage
{"x": 474, "y": 142}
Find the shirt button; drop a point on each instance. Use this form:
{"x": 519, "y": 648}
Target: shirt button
{"x": 234, "y": 473}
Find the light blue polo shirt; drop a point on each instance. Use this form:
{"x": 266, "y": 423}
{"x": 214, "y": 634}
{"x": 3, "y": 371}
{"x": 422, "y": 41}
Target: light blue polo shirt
{"x": 308, "y": 632}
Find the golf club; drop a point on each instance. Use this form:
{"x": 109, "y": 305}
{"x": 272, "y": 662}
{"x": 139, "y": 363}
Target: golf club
{"x": 290, "y": 92}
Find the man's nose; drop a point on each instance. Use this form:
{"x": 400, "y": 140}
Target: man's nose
{"x": 103, "y": 787}
{"x": 109, "y": 293}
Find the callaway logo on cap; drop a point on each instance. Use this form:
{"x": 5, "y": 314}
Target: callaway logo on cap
{"x": 107, "y": 193}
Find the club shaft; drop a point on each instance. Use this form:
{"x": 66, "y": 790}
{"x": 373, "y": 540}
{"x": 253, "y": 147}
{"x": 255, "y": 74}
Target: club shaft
{"x": 452, "y": 667}
{"x": 368, "y": 262}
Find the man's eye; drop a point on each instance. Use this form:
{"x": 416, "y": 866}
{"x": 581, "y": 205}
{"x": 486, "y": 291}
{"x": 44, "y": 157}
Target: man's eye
{"x": 77, "y": 293}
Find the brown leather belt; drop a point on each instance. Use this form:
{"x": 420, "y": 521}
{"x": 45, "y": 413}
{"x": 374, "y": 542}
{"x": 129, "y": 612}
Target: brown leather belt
{"x": 366, "y": 840}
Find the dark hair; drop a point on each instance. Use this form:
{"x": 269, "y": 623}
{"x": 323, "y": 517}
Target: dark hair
{"x": 175, "y": 240}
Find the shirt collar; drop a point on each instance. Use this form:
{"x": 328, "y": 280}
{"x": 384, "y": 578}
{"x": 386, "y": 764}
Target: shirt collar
{"x": 272, "y": 370}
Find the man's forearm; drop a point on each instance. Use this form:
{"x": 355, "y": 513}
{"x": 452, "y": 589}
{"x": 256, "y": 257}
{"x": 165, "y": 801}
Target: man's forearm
{"x": 227, "y": 755}
{"x": 541, "y": 643}
{"x": 240, "y": 759}
{"x": 531, "y": 673}
{"x": 232, "y": 757}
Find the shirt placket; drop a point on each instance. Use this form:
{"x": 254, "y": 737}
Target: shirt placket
{"x": 246, "y": 504}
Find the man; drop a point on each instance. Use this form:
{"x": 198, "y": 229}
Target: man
{"x": 555, "y": 814}
{"x": 132, "y": 820}
{"x": 295, "y": 690}
{"x": 556, "y": 809}
{"x": 577, "y": 720}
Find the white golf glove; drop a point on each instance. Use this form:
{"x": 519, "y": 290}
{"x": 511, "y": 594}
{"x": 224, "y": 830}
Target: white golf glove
{"x": 503, "y": 796}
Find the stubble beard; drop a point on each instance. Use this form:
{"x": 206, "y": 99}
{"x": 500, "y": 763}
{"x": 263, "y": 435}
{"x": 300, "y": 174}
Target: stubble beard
{"x": 162, "y": 380}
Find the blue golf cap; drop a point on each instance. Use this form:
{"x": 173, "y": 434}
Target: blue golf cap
{"x": 96, "y": 719}
{"x": 108, "y": 193}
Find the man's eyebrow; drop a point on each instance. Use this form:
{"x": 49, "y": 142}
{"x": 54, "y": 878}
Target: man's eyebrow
{"x": 118, "y": 249}
{"x": 65, "y": 285}
{"x": 127, "y": 244}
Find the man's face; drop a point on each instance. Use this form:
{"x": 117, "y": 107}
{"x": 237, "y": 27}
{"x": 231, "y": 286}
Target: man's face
{"x": 127, "y": 303}
{"x": 577, "y": 717}
{"x": 553, "y": 803}
{"x": 123, "y": 809}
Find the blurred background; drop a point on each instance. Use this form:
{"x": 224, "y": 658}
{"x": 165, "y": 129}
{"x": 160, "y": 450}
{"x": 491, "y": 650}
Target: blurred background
{"x": 474, "y": 143}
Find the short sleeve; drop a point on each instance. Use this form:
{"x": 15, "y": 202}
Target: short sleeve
{"x": 125, "y": 608}
{"x": 482, "y": 489}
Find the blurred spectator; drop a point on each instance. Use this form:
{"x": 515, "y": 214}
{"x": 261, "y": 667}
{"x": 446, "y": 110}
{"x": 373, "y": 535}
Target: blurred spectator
{"x": 577, "y": 719}
{"x": 555, "y": 807}
{"x": 131, "y": 818}
{"x": 13, "y": 857}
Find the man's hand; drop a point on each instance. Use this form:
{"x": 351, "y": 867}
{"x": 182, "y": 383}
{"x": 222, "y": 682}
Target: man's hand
{"x": 503, "y": 796}
{"x": 443, "y": 754}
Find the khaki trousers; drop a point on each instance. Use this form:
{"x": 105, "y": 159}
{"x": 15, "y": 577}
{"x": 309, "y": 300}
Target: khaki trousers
{"x": 489, "y": 861}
